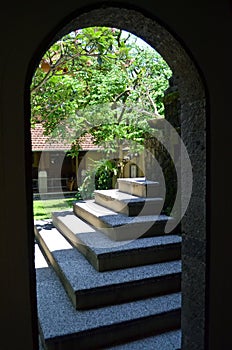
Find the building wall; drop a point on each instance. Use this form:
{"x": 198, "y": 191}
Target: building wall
{"x": 27, "y": 27}
{"x": 85, "y": 162}
{"x": 58, "y": 165}
{"x": 138, "y": 163}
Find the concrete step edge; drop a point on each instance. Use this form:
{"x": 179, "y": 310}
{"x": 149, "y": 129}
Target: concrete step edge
{"x": 127, "y": 204}
{"x": 164, "y": 341}
{"x": 120, "y": 227}
{"x": 88, "y": 288}
{"x": 105, "y": 254}
{"x": 139, "y": 187}
{"x": 67, "y": 328}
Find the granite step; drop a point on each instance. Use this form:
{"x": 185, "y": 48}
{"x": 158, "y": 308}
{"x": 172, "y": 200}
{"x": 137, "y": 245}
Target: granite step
{"x": 105, "y": 254}
{"x": 139, "y": 186}
{"x": 62, "y": 327}
{"x": 88, "y": 288}
{"x": 165, "y": 341}
{"x": 120, "y": 227}
{"x": 128, "y": 204}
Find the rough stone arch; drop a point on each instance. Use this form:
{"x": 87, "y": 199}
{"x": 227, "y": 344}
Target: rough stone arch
{"x": 193, "y": 131}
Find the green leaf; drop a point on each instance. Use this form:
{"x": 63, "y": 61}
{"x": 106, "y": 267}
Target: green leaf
{"x": 99, "y": 71}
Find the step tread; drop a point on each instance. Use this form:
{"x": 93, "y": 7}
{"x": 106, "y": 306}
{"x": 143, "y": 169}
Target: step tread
{"x": 128, "y": 204}
{"x": 107, "y": 254}
{"x": 113, "y": 219}
{"x": 102, "y": 244}
{"x": 119, "y": 226}
{"x": 127, "y": 198}
{"x": 40, "y": 260}
{"x": 164, "y": 341}
{"x": 64, "y": 320}
{"x": 82, "y": 276}
{"x": 138, "y": 180}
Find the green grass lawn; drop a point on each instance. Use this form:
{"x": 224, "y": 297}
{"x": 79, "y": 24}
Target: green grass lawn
{"x": 44, "y": 208}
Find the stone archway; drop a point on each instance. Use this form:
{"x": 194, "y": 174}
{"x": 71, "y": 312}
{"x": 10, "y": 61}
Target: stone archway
{"x": 193, "y": 118}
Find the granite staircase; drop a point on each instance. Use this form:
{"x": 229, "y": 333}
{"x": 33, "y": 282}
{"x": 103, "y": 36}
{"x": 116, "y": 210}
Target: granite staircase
{"x": 113, "y": 277}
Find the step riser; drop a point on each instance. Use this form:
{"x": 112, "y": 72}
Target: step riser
{"x": 170, "y": 340}
{"x": 107, "y": 262}
{"x": 139, "y": 189}
{"x": 140, "y": 258}
{"x": 112, "y": 294}
{"x": 125, "y": 332}
{"x": 64, "y": 328}
{"x": 111, "y": 307}
{"x": 128, "y": 292}
{"x": 124, "y": 232}
{"x": 130, "y": 209}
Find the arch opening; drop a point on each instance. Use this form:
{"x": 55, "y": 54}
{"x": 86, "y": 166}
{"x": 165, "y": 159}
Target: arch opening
{"x": 101, "y": 83}
{"x": 187, "y": 81}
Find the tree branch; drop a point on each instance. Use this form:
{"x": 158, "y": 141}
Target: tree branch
{"x": 119, "y": 37}
{"x": 42, "y": 82}
{"x": 152, "y": 103}
{"x": 122, "y": 112}
{"x": 122, "y": 93}
{"x": 150, "y": 114}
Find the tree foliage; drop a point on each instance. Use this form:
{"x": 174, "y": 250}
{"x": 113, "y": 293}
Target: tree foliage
{"x": 99, "y": 80}
{"x": 98, "y": 177}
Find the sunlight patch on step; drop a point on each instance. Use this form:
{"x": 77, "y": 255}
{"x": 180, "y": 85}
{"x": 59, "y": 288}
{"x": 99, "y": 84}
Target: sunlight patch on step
{"x": 40, "y": 261}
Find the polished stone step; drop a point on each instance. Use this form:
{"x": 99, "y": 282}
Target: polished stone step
{"x": 62, "y": 327}
{"x": 139, "y": 186}
{"x": 120, "y": 227}
{"x": 89, "y": 288}
{"x": 105, "y": 254}
{"x": 128, "y": 204}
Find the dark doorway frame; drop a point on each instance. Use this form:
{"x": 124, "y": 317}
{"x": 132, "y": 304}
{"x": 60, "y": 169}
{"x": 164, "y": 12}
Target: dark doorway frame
{"x": 193, "y": 97}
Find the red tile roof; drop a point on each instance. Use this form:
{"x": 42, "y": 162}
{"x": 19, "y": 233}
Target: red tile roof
{"x": 40, "y": 142}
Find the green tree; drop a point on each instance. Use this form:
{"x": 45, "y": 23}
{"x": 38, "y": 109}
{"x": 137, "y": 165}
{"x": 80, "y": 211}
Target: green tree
{"x": 100, "y": 81}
